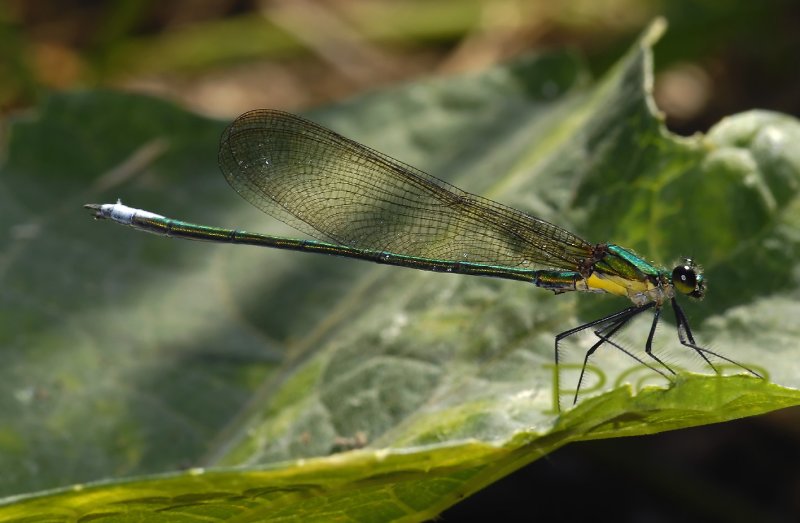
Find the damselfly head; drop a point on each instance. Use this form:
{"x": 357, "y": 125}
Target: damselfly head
{"x": 687, "y": 278}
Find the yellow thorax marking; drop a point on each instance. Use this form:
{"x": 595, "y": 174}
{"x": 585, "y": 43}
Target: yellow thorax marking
{"x": 617, "y": 285}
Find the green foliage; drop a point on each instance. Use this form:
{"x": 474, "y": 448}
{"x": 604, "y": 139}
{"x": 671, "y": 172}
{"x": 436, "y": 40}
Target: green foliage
{"x": 127, "y": 355}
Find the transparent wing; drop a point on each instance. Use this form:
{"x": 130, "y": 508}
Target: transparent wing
{"x": 338, "y": 190}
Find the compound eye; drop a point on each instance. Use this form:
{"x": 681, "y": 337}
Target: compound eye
{"x": 684, "y": 278}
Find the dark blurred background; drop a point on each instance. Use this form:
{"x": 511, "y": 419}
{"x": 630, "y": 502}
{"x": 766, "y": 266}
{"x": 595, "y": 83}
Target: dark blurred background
{"x": 222, "y": 57}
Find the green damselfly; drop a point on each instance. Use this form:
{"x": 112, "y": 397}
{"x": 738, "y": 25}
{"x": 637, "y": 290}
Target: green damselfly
{"x": 360, "y": 203}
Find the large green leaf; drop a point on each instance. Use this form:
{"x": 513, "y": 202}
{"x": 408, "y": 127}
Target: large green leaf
{"x": 127, "y": 354}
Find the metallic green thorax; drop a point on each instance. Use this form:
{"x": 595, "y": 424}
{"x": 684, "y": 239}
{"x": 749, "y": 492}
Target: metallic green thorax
{"x": 623, "y": 263}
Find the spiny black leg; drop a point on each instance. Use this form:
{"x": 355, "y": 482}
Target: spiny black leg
{"x": 685, "y": 333}
{"x": 629, "y": 312}
{"x": 680, "y": 319}
{"x": 687, "y": 340}
{"x": 614, "y": 321}
{"x": 604, "y": 337}
{"x": 622, "y": 315}
{"x": 648, "y": 347}
{"x": 632, "y": 355}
